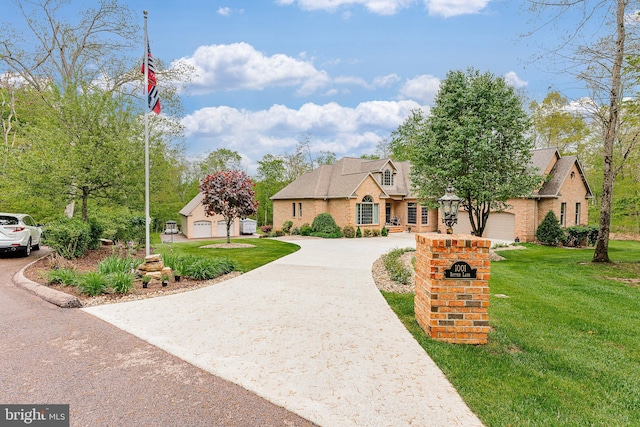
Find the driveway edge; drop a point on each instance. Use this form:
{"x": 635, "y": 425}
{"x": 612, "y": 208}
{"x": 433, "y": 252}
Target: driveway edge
{"x": 58, "y": 298}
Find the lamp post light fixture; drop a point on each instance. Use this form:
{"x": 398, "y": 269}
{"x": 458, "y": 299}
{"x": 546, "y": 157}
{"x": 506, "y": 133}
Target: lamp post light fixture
{"x": 449, "y": 208}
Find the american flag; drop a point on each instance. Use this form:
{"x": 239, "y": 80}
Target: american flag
{"x": 154, "y": 98}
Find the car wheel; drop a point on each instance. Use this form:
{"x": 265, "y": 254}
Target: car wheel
{"x": 27, "y": 249}
{"x": 36, "y": 247}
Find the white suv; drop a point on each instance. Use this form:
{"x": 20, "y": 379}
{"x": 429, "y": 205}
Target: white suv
{"x": 19, "y": 233}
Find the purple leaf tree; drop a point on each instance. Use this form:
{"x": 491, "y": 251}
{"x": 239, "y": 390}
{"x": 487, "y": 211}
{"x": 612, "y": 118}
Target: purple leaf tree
{"x": 229, "y": 193}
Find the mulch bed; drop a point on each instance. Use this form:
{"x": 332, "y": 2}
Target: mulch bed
{"x": 38, "y": 272}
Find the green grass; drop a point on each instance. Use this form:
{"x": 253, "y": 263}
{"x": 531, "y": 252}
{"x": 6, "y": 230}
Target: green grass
{"x": 245, "y": 259}
{"x": 565, "y": 349}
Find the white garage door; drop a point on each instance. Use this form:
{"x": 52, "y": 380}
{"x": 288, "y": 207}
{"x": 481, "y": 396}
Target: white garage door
{"x": 222, "y": 229}
{"x": 201, "y": 229}
{"x": 501, "y": 225}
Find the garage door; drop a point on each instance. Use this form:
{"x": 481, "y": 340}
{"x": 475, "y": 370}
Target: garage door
{"x": 222, "y": 229}
{"x": 201, "y": 229}
{"x": 501, "y": 225}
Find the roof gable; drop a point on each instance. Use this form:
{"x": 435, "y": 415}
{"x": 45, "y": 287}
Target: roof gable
{"x": 188, "y": 209}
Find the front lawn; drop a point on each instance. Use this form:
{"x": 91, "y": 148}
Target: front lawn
{"x": 565, "y": 349}
{"x": 245, "y": 259}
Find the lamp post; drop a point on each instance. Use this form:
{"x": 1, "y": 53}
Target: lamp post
{"x": 449, "y": 208}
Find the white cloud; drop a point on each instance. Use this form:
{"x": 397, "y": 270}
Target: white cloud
{"x": 449, "y": 8}
{"x": 386, "y": 81}
{"x": 343, "y": 130}
{"x": 224, "y": 11}
{"x": 422, "y": 88}
{"x": 380, "y": 7}
{"x": 239, "y": 66}
{"x": 513, "y": 80}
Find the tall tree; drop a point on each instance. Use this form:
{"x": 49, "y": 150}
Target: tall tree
{"x": 408, "y": 136}
{"x": 476, "y": 139}
{"x": 220, "y": 160}
{"x": 558, "y": 127}
{"x": 601, "y": 56}
{"x": 230, "y": 194}
{"x": 270, "y": 179}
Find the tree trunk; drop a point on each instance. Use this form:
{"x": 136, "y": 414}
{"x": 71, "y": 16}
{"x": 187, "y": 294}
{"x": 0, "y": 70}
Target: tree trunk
{"x": 229, "y": 221}
{"x": 601, "y": 253}
{"x": 85, "y": 201}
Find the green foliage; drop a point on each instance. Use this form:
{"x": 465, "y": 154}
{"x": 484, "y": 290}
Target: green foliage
{"x": 118, "y": 264}
{"x": 68, "y": 237}
{"x": 549, "y": 231}
{"x": 358, "y": 232}
{"x": 476, "y": 138}
{"x": 121, "y": 281}
{"x": 92, "y": 283}
{"x": 204, "y": 268}
{"x": 305, "y": 229}
{"x": 63, "y": 276}
{"x": 279, "y": 233}
{"x": 397, "y": 270}
{"x": 286, "y": 227}
{"x": 368, "y": 232}
{"x": 95, "y": 234}
{"x": 384, "y": 232}
{"x": 349, "y": 231}
{"x": 581, "y": 234}
{"x": 325, "y": 226}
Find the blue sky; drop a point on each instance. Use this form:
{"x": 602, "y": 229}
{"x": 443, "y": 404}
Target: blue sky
{"x": 344, "y": 73}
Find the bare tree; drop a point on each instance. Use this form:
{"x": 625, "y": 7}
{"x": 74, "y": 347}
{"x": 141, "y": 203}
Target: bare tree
{"x": 601, "y": 58}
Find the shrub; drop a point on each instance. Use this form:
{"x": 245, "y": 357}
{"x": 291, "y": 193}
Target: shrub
{"x": 205, "y": 268}
{"x": 398, "y": 272}
{"x": 384, "y": 232}
{"x": 116, "y": 264}
{"x": 578, "y": 234}
{"x": 348, "y": 231}
{"x": 296, "y": 231}
{"x": 286, "y": 227}
{"x": 266, "y": 229}
{"x": 325, "y": 226}
{"x": 95, "y": 233}
{"x": 92, "y": 283}
{"x": 68, "y": 237}
{"x": 358, "y": 232}
{"x": 305, "y": 229}
{"x": 375, "y": 232}
{"x": 367, "y": 232}
{"x": 549, "y": 231}
{"x": 63, "y": 276}
{"x": 279, "y": 233}
{"x": 121, "y": 281}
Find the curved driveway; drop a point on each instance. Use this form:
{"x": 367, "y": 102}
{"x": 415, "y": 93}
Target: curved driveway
{"x": 52, "y": 355}
{"x": 309, "y": 332}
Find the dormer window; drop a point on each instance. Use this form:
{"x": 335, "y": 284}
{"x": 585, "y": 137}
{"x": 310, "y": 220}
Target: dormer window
{"x": 387, "y": 177}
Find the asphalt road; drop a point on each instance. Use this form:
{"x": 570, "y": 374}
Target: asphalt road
{"x": 51, "y": 355}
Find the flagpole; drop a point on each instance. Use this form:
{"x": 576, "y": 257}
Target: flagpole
{"x": 147, "y": 218}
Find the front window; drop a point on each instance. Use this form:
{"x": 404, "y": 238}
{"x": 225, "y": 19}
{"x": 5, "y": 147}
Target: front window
{"x": 387, "y": 177}
{"x": 577, "y": 213}
{"x": 300, "y": 210}
{"x": 411, "y": 213}
{"x": 563, "y": 214}
{"x": 293, "y": 205}
{"x": 366, "y": 211}
{"x": 425, "y": 215}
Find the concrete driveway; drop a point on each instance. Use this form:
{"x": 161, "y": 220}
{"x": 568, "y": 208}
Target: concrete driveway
{"x": 309, "y": 332}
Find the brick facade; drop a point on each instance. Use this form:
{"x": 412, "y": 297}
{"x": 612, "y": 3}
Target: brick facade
{"x": 452, "y": 310}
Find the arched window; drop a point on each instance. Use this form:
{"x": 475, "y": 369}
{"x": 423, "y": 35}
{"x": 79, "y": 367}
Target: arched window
{"x": 367, "y": 211}
{"x": 387, "y": 177}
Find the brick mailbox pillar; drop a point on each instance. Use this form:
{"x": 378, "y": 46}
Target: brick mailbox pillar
{"x": 452, "y": 287}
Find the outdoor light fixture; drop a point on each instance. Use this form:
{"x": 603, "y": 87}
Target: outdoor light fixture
{"x": 449, "y": 207}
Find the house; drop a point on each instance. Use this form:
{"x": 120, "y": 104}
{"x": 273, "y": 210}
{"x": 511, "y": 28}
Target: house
{"x": 195, "y": 224}
{"x": 376, "y": 193}
{"x": 359, "y": 192}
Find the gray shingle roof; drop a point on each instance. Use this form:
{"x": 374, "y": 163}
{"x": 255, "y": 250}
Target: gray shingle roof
{"x": 342, "y": 179}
